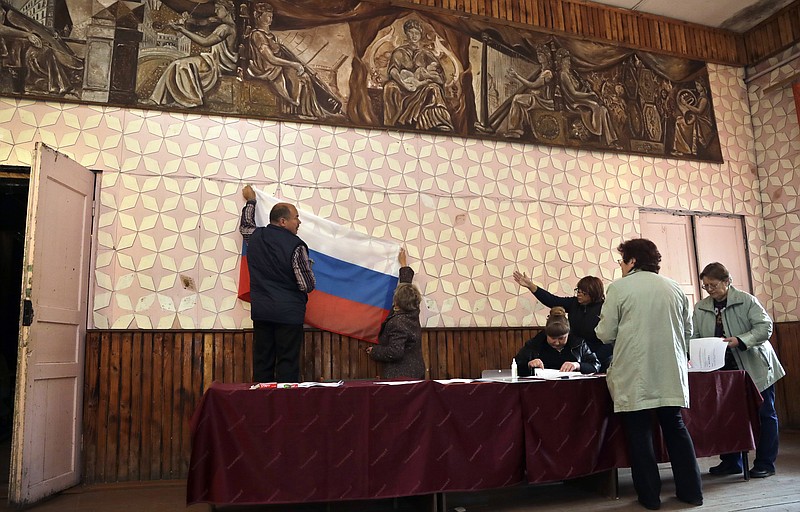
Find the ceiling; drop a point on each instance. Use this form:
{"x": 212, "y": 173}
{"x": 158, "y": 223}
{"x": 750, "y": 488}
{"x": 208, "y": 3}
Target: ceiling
{"x": 736, "y": 15}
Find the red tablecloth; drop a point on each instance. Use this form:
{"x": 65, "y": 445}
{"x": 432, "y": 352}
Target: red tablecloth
{"x": 367, "y": 440}
{"x": 571, "y": 429}
{"x": 361, "y": 440}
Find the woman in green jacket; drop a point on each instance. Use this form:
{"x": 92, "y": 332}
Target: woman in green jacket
{"x": 738, "y": 317}
{"x": 649, "y": 320}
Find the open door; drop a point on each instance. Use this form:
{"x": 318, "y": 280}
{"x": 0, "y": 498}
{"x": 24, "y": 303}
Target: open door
{"x": 45, "y": 451}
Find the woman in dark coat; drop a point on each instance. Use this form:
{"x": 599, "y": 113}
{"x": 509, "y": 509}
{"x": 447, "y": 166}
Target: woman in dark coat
{"x": 583, "y": 310}
{"x": 556, "y": 349}
{"x": 399, "y": 345}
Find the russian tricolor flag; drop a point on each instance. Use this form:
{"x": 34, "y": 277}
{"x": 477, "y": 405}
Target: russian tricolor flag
{"x": 356, "y": 274}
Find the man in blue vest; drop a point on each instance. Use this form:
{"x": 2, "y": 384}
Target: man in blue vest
{"x": 280, "y": 281}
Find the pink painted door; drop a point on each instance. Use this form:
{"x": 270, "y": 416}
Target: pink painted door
{"x": 673, "y": 236}
{"x": 45, "y": 455}
{"x": 722, "y": 239}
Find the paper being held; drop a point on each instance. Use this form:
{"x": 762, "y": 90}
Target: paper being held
{"x": 706, "y": 354}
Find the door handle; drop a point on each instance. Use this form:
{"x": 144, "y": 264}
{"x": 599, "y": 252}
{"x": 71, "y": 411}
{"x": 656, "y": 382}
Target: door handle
{"x": 27, "y": 313}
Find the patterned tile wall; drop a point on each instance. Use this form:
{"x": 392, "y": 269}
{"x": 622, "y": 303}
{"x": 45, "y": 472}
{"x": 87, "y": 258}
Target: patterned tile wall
{"x": 469, "y": 212}
{"x": 777, "y": 145}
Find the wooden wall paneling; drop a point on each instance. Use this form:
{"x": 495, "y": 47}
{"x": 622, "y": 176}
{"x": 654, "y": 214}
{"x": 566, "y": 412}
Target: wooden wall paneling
{"x": 173, "y": 431}
{"x": 773, "y": 35}
{"x": 112, "y": 427}
{"x": 640, "y": 30}
{"x": 207, "y": 359}
{"x": 91, "y": 398}
{"x": 624, "y": 33}
{"x": 680, "y": 36}
{"x": 346, "y": 350}
{"x": 148, "y": 400}
{"x": 510, "y": 11}
{"x": 633, "y": 28}
{"x": 570, "y": 18}
{"x": 193, "y": 393}
{"x": 228, "y": 360}
{"x": 125, "y": 376}
{"x": 585, "y": 16}
{"x": 714, "y": 42}
{"x": 318, "y": 341}
{"x": 609, "y": 27}
{"x": 135, "y": 409}
{"x": 597, "y": 21}
{"x": 476, "y": 350}
{"x": 786, "y": 340}
{"x": 328, "y": 352}
{"x": 158, "y": 412}
{"x": 443, "y": 356}
{"x": 785, "y": 31}
{"x": 537, "y": 13}
{"x": 559, "y": 21}
{"x": 644, "y": 32}
{"x": 243, "y": 358}
{"x": 141, "y": 387}
{"x": 165, "y": 423}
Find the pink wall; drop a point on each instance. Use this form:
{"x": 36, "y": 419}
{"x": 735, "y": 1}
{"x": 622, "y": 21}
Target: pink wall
{"x": 777, "y": 146}
{"x": 469, "y": 212}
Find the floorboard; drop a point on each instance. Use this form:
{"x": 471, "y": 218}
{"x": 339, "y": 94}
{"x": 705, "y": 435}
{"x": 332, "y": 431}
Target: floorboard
{"x": 780, "y": 493}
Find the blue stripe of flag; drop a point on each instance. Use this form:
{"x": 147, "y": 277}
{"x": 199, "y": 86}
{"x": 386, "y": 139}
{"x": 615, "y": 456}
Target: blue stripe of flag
{"x": 352, "y": 282}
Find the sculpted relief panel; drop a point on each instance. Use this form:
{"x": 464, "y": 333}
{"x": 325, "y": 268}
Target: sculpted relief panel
{"x": 358, "y": 64}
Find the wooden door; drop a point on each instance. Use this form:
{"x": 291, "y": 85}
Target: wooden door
{"x": 45, "y": 454}
{"x": 673, "y": 236}
{"x": 722, "y": 239}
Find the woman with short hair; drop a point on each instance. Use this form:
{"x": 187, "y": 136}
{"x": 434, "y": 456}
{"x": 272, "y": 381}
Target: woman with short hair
{"x": 399, "y": 345}
{"x": 556, "y": 348}
{"x": 742, "y": 321}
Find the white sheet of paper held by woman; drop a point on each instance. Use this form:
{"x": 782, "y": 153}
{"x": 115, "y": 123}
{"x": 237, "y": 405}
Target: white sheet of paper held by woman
{"x": 706, "y": 354}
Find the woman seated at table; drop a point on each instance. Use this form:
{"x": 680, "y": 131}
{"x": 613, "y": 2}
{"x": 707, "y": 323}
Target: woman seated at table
{"x": 556, "y": 349}
{"x": 583, "y": 310}
{"x": 399, "y": 345}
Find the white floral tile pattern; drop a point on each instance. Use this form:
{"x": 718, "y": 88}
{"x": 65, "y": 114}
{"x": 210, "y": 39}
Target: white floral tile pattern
{"x": 469, "y": 212}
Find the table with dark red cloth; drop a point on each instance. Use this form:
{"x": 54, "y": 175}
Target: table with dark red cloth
{"x": 579, "y": 434}
{"x": 365, "y": 440}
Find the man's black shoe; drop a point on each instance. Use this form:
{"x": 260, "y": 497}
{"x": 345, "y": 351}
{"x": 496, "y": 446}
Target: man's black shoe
{"x": 725, "y": 468}
{"x": 760, "y": 473}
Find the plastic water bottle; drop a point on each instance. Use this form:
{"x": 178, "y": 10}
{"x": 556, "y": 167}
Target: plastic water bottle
{"x": 513, "y": 369}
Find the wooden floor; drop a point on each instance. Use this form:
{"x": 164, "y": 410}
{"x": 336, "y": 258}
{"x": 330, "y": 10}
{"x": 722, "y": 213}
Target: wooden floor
{"x": 722, "y": 494}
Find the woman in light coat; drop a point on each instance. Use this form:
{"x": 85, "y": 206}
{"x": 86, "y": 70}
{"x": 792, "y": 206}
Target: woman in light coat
{"x": 738, "y": 317}
{"x": 648, "y": 318}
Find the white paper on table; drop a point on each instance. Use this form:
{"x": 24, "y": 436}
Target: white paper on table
{"x": 321, "y": 384}
{"x": 548, "y": 374}
{"x": 706, "y": 354}
{"x": 454, "y": 381}
{"x": 397, "y": 382}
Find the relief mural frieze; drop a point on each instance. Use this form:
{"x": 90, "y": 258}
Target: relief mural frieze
{"x": 358, "y": 64}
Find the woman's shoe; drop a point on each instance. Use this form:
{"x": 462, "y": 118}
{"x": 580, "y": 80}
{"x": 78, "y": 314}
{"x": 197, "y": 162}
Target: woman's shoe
{"x": 726, "y": 468}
